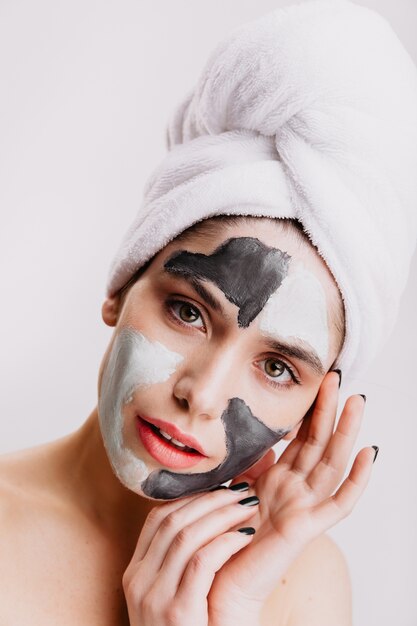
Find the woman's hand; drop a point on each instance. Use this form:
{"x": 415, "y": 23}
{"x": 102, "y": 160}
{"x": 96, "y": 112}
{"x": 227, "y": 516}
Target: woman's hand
{"x": 190, "y": 568}
{"x": 181, "y": 547}
{"x": 298, "y": 502}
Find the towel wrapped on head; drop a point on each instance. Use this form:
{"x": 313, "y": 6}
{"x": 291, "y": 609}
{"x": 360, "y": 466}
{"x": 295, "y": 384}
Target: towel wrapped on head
{"x": 309, "y": 112}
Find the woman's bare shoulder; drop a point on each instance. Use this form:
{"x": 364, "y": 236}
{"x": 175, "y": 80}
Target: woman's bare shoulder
{"x": 13, "y": 467}
{"x": 20, "y": 471}
{"x": 26, "y": 477}
{"x": 316, "y": 590}
{"x": 18, "y": 479}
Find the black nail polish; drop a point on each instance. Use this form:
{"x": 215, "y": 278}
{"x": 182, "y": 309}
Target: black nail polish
{"x": 218, "y": 487}
{"x": 239, "y": 487}
{"x": 248, "y": 530}
{"x": 376, "y": 448}
{"x": 251, "y": 501}
{"x": 340, "y": 376}
{"x": 363, "y": 396}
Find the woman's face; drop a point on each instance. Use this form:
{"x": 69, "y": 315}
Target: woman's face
{"x": 218, "y": 352}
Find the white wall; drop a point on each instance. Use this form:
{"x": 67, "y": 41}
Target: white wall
{"x": 86, "y": 89}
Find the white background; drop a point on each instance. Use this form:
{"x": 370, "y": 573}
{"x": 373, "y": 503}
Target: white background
{"x": 86, "y": 89}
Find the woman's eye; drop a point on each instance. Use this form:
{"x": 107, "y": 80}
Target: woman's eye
{"x": 187, "y": 313}
{"x": 277, "y": 370}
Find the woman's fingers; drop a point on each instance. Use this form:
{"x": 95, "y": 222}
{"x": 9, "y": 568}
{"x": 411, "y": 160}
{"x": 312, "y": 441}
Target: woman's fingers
{"x": 177, "y": 519}
{"x": 192, "y": 536}
{"x": 328, "y": 472}
{"x": 341, "y": 503}
{"x": 318, "y": 430}
{"x": 185, "y": 602}
{"x": 199, "y": 574}
{"x": 154, "y": 520}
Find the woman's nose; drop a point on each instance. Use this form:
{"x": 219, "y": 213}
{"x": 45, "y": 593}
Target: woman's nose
{"x": 206, "y": 384}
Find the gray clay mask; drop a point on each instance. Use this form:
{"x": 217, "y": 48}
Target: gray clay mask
{"x": 245, "y": 269}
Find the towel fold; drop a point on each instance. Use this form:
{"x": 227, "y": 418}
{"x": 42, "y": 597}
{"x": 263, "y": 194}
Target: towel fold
{"x": 309, "y": 112}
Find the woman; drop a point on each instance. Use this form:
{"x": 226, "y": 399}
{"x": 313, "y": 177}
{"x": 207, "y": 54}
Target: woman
{"x": 195, "y": 362}
{"x": 228, "y": 337}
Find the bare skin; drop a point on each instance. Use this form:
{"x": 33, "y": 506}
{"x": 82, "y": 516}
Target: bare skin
{"x": 69, "y": 541}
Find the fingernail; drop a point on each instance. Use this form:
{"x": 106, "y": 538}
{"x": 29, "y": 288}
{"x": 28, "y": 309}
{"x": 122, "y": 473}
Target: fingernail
{"x": 376, "y": 448}
{"x": 248, "y": 530}
{"x": 218, "y": 487}
{"x": 251, "y": 501}
{"x": 363, "y": 396}
{"x": 340, "y": 376}
{"x": 239, "y": 487}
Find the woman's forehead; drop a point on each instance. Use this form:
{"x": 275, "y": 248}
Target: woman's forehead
{"x": 269, "y": 233}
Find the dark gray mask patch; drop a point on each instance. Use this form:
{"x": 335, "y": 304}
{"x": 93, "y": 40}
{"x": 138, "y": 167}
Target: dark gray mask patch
{"x": 246, "y": 270}
{"x": 247, "y": 439}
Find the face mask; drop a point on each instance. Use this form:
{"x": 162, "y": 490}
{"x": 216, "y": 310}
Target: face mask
{"x": 251, "y": 276}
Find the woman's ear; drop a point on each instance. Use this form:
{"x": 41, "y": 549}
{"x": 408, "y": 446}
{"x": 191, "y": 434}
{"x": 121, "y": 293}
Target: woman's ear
{"x": 110, "y": 310}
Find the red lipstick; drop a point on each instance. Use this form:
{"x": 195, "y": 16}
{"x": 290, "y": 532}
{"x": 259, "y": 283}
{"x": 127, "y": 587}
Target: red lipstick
{"x": 175, "y": 433}
{"x": 167, "y": 444}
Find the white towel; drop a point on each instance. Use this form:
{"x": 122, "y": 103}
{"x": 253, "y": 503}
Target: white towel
{"x": 308, "y": 112}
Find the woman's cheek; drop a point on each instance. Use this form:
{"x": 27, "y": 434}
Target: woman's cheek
{"x": 134, "y": 362}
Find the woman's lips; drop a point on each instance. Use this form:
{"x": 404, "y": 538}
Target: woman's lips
{"x": 162, "y": 450}
{"x": 176, "y": 433}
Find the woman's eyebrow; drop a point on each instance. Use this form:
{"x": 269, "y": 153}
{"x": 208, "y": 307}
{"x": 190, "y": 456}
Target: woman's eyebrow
{"x": 298, "y": 352}
{"x": 197, "y": 285}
